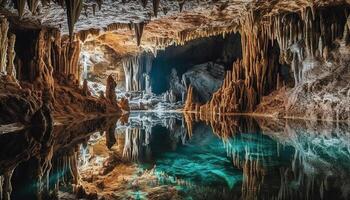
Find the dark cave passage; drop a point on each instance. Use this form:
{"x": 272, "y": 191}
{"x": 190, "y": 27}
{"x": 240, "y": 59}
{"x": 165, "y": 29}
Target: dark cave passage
{"x": 197, "y": 62}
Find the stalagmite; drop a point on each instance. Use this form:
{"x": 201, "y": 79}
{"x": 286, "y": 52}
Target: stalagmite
{"x": 138, "y": 31}
{"x": 86, "y": 91}
{"x": 110, "y": 89}
{"x": 73, "y": 13}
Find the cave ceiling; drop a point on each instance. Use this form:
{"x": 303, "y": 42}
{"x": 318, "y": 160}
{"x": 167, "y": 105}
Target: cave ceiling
{"x": 119, "y": 24}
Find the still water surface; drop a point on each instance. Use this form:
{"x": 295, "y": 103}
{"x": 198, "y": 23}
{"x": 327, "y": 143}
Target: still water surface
{"x": 171, "y": 156}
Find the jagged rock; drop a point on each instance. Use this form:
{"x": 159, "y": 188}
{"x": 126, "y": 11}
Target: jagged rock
{"x": 205, "y": 80}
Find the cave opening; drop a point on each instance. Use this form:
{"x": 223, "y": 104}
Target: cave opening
{"x": 201, "y": 63}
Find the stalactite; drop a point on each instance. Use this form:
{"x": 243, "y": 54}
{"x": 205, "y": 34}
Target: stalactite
{"x": 117, "y": 26}
{"x": 136, "y": 69}
{"x": 144, "y": 3}
{"x": 94, "y": 9}
{"x": 33, "y": 5}
{"x": 45, "y": 2}
{"x": 138, "y": 31}
{"x": 127, "y": 70}
{"x": 181, "y": 4}
{"x": 155, "y": 7}
{"x": 19, "y": 5}
{"x": 99, "y": 3}
{"x": 73, "y": 13}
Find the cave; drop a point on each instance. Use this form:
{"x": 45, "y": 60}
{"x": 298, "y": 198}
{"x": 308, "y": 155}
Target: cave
{"x": 116, "y": 99}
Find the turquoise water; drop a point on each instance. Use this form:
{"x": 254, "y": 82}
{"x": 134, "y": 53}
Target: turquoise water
{"x": 235, "y": 158}
{"x": 294, "y": 160}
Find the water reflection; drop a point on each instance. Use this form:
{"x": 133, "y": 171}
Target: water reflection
{"x": 171, "y": 156}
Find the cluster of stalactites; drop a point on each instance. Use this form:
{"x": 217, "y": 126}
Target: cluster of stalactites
{"x": 73, "y": 8}
{"x": 137, "y": 69}
{"x": 7, "y": 49}
{"x": 309, "y": 35}
{"x": 188, "y": 35}
{"x": 250, "y": 78}
{"x": 67, "y": 166}
{"x": 299, "y": 37}
{"x": 32, "y": 6}
{"x": 156, "y": 5}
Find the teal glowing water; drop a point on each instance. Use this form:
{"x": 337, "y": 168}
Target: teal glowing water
{"x": 158, "y": 158}
{"x": 255, "y": 162}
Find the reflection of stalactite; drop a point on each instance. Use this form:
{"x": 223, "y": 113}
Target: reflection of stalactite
{"x": 66, "y": 168}
{"x": 133, "y": 144}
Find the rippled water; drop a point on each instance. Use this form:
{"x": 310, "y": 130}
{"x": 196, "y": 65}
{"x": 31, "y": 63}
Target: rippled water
{"x": 171, "y": 156}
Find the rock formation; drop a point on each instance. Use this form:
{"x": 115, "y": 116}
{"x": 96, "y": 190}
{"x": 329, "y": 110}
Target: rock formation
{"x": 304, "y": 45}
